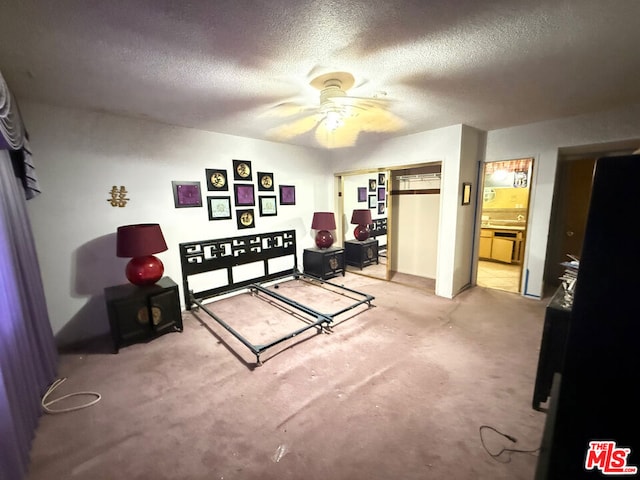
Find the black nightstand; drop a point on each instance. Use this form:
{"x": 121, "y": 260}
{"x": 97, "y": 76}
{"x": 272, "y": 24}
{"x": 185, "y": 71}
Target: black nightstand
{"x": 360, "y": 254}
{"x": 323, "y": 263}
{"x": 557, "y": 318}
{"x": 138, "y": 314}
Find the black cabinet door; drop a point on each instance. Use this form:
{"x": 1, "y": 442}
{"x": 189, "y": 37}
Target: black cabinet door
{"x": 360, "y": 254}
{"x": 137, "y": 314}
{"x": 323, "y": 263}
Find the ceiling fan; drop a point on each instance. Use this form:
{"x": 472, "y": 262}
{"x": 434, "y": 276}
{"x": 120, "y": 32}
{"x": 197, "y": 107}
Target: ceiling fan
{"x": 339, "y": 118}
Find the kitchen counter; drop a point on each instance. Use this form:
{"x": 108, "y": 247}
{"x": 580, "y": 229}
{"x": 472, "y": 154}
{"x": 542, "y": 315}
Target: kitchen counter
{"x": 503, "y": 227}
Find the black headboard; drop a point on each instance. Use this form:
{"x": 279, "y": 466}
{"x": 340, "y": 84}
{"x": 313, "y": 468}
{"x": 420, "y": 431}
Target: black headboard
{"x": 226, "y": 253}
{"x": 378, "y": 227}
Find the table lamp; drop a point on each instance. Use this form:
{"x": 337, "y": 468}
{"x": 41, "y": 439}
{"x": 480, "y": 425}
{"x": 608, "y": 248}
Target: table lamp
{"x": 362, "y": 219}
{"x": 140, "y": 242}
{"x": 323, "y": 222}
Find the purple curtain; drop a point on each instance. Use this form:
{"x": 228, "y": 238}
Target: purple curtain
{"x": 28, "y": 355}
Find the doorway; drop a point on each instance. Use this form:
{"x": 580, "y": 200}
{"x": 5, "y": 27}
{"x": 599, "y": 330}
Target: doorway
{"x": 504, "y": 217}
{"x": 569, "y": 217}
{"x": 572, "y": 191}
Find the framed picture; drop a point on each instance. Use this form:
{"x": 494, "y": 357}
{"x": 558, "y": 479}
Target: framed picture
{"x": 186, "y": 194}
{"x": 242, "y": 170}
{"x": 265, "y": 182}
{"x": 372, "y": 201}
{"x": 287, "y": 195}
{"x": 381, "y": 178}
{"x": 244, "y": 195}
{"x": 381, "y": 208}
{"x": 381, "y": 195}
{"x": 466, "y": 193}
{"x": 219, "y": 208}
{"x": 362, "y": 194}
{"x": 216, "y": 180}
{"x": 245, "y": 218}
{"x": 373, "y": 184}
{"x": 267, "y": 205}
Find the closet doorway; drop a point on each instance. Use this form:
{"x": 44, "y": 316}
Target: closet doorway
{"x": 415, "y": 220}
{"x": 404, "y": 203}
{"x": 503, "y": 232}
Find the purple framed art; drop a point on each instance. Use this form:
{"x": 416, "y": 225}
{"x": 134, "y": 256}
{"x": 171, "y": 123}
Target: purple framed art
{"x": 362, "y": 194}
{"x": 381, "y": 194}
{"x": 287, "y": 195}
{"x": 244, "y": 195}
{"x": 186, "y": 194}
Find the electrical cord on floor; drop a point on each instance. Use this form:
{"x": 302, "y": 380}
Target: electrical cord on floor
{"x": 496, "y": 456}
{"x": 56, "y": 384}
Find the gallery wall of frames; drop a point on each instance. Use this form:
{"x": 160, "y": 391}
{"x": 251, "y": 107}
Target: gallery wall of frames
{"x": 238, "y": 194}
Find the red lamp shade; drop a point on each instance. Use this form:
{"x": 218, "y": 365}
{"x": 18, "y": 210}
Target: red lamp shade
{"x": 140, "y": 242}
{"x": 323, "y": 222}
{"x": 361, "y": 218}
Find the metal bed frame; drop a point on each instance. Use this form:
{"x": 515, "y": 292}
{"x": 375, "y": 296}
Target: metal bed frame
{"x": 226, "y": 253}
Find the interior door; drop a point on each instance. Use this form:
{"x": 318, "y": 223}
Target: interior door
{"x": 572, "y": 205}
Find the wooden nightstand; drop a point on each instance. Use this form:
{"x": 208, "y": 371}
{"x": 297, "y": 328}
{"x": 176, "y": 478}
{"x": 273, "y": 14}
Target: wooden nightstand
{"x": 323, "y": 263}
{"x": 138, "y": 314}
{"x": 360, "y": 254}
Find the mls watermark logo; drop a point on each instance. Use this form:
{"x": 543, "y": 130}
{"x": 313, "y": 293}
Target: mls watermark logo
{"x": 609, "y": 459}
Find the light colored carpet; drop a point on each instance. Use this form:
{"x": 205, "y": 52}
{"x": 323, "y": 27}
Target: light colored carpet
{"x": 396, "y": 391}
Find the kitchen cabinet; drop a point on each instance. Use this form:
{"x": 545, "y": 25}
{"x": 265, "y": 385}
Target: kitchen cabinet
{"x": 486, "y": 239}
{"x": 501, "y": 244}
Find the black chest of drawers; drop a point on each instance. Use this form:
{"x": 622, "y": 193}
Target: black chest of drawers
{"x": 360, "y": 254}
{"x": 323, "y": 262}
{"x": 138, "y": 314}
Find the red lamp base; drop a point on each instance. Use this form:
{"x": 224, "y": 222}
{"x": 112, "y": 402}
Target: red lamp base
{"x": 144, "y": 270}
{"x": 324, "y": 239}
{"x": 361, "y": 232}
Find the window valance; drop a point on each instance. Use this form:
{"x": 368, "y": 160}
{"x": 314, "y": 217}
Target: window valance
{"x": 14, "y": 137}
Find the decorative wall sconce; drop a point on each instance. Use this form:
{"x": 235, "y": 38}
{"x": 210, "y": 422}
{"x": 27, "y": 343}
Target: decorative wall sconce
{"x": 118, "y": 196}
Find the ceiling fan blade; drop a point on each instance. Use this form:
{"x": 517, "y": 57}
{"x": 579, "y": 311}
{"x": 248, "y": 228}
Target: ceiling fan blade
{"x": 288, "y": 109}
{"x": 379, "y": 120}
{"x": 293, "y": 129}
{"x": 317, "y": 70}
{"x": 361, "y": 102}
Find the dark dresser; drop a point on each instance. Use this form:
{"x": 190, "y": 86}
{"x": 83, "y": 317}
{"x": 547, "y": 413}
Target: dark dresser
{"x": 361, "y": 254}
{"x": 552, "y": 346}
{"x": 138, "y": 314}
{"x": 323, "y": 262}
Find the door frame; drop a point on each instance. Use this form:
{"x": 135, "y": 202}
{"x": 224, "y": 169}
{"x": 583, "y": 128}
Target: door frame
{"x": 523, "y": 246}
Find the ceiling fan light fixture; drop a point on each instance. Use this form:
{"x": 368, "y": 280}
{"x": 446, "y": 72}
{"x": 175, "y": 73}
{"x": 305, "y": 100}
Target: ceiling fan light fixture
{"x": 333, "y": 120}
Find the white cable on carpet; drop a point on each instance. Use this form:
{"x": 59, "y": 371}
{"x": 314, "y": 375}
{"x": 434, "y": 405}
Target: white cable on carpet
{"x": 56, "y": 384}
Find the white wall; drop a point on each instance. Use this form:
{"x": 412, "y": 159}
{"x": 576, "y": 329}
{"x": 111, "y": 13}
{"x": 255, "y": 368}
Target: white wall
{"x": 415, "y": 227}
{"x": 445, "y": 145}
{"x": 80, "y": 155}
{"x": 542, "y": 141}
{"x": 470, "y": 156}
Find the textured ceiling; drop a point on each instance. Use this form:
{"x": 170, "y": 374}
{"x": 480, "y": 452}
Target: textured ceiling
{"x": 223, "y": 65}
